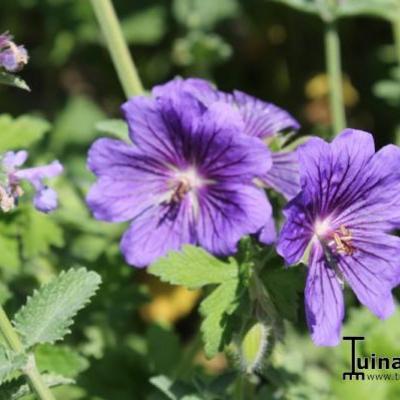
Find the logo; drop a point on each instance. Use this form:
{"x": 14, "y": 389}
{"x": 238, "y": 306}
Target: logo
{"x": 373, "y": 362}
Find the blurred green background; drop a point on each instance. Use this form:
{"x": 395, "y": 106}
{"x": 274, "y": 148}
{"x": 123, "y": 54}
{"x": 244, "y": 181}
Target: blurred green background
{"x": 136, "y": 327}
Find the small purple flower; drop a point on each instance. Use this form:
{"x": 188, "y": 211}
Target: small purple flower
{"x": 260, "y": 119}
{"x": 350, "y": 201}
{"x": 45, "y": 198}
{"x": 12, "y": 57}
{"x": 188, "y": 178}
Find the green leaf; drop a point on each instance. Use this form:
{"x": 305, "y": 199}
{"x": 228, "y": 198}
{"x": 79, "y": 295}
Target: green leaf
{"x": 18, "y": 388}
{"x": 13, "y": 80}
{"x": 307, "y": 6}
{"x": 204, "y": 14}
{"x": 284, "y": 286}
{"x": 21, "y": 132}
{"x": 193, "y": 267}
{"x": 174, "y": 390}
{"x": 10, "y": 261}
{"x": 76, "y": 124}
{"x": 386, "y": 9}
{"x": 38, "y": 233}
{"x": 145, "y": 26}
{"x": 216, "y": 308}
{"x": 10, "y": 363}
{"x": 49, "y": 312}
{"x": 61, "y": 360}
{"x": 116, "y": 127}
{"x": 162, "y": 358}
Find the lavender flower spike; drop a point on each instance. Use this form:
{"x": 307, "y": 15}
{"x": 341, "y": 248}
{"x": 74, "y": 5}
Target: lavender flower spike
{"x": 45, "y": 199}
{"x": 260, "y": 119}
{"x": 188, "y": 178}
{"x": 349, "y": 203}
{"x": 12, "y": 57}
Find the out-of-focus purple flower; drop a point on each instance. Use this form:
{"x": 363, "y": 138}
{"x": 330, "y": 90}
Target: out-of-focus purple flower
{"x": 45, "y": 199}
{"x": 188, "y": 178}
{"x": 12, "y": 57}
{"x": 260, "y": 119}
{"x": 350, "y": 200}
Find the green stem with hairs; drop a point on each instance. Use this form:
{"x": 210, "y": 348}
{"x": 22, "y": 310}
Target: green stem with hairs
{"x": 30, "y": 370}
{"x": 333, "y": 65}
{"x": 117, "y": 47}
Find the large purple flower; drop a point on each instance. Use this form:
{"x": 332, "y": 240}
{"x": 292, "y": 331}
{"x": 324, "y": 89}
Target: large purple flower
{"x": 188, "y": 178}
{"x": 260, "y": 119}
{"x": 350, "y": 200}
{"x": 45, "y": 199}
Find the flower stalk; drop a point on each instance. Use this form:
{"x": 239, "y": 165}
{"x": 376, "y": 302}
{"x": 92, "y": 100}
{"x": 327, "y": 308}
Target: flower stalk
{"x": 31, "y": 372}
{"x": 333, "y": 65}
{"x": 117, "y": 47}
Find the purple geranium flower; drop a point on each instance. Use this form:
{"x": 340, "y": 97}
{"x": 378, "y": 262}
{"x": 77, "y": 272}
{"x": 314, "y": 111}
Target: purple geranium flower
{"x": 350, "y": 200}
{"x": 45, "y": 198}
{"x": 260, "y": 119}
{"x": 12, "y": 57}
{"x": 188, "y": 178}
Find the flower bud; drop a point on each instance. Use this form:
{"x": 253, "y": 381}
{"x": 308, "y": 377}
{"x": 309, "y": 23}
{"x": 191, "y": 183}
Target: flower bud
{"x": 12, "y": 57}
{"x": 253, "y": 347}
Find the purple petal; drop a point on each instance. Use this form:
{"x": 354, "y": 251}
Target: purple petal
{"x": 297, "y": 231}
{"x": 45, "y": 200}
{"x": 262, "y": 119}
{"x": 201, "y": 89}
{"x": 129, "y": 182}
{"x": 323, "y": 301}
{"x": 284, "y": 175}
{"x": 36, "y": 174}
{"x": 12, "y": 159}
{"x": 225, "y": 154}
{"x": 227, "y": 213}
{"x": 155, "y": 233}
{"x": 268, "y": 232}
{"x": 373, "y": 270}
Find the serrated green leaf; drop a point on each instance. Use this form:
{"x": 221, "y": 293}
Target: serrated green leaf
{"x": 61, "y": 360}
{"x": 215, "y": 309}
{"x": 193, "y": 267}
{"x": 116, "y": 127}
{"x": 49, "y": 312}
{"x": 38, "y": 233}
{"x": 18, "y": 388}
{"x": 13, "y": 80}
{"x": 21, "y": 132}
{"x": 10, "y": 363}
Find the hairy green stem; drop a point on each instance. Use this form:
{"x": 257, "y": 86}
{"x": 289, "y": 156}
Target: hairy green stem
{"x": 117, "y": 47}
{"x": 30, "y": 370}
{"x": 333, "y": 65}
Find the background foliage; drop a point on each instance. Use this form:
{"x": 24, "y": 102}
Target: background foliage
{"x": 139, "y": 335}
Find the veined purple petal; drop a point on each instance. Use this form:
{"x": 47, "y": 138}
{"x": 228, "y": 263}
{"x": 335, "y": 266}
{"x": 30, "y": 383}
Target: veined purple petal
{"x": 156, "y": 232}
{"x": 227, "y": 213}
{"x": 373, "y": 270}
{"x": 284, "y": 175}
{"x": 262, "y": 119}
{"x": 323, "y": 300}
